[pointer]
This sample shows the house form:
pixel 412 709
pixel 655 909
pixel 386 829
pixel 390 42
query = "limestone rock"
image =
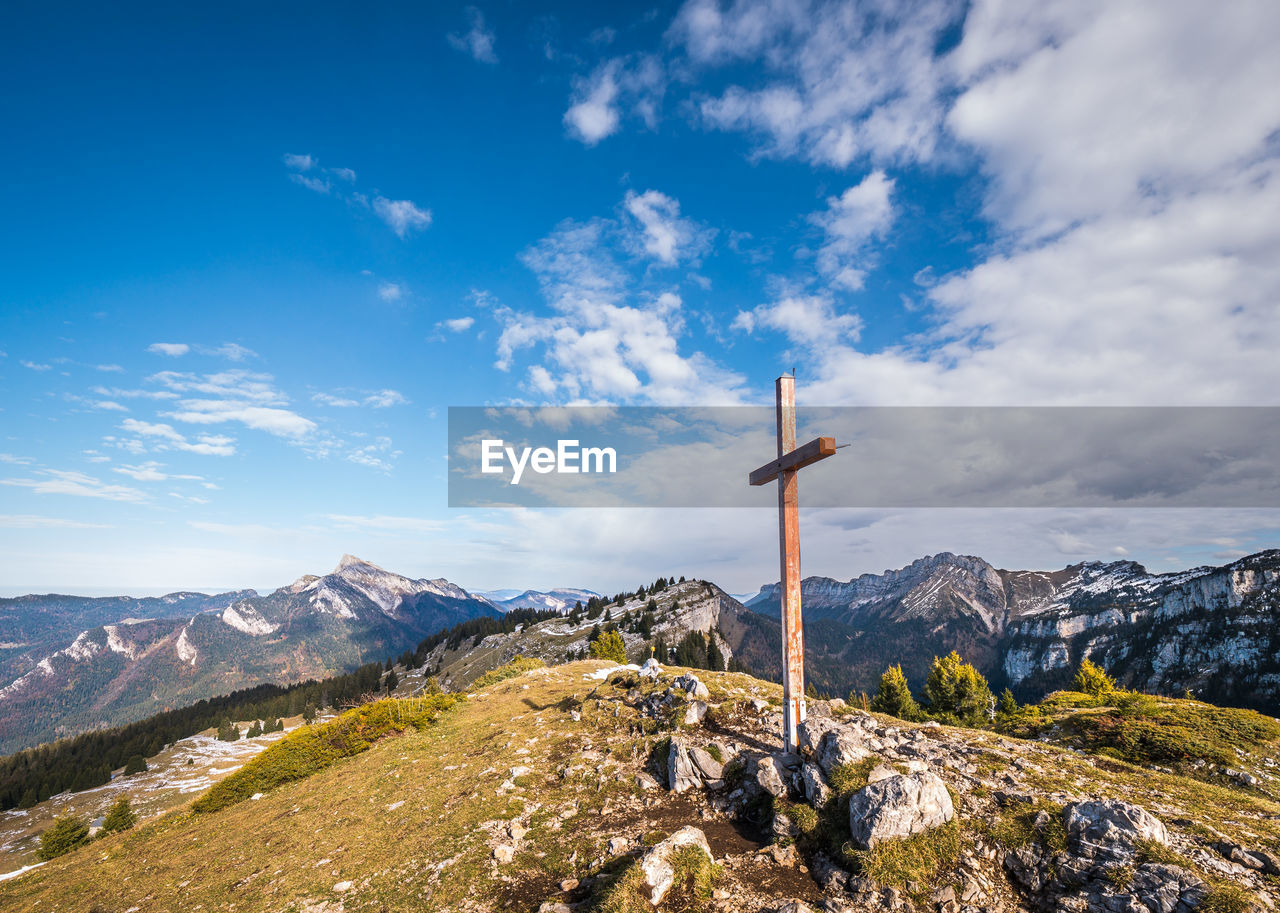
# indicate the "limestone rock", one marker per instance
pixel 897 807
pixel 650 669
pixel 695 712
pixel 681 773
pixel 816 788
pixel 1110 826
pixel 769 776
pixel 656 871
pixel 503 854
pixel 709 767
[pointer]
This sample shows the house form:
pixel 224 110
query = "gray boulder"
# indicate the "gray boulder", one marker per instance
pixel 681 773
pixel 1110 827
pixel 656 871
pixel 841 745
pixel 707 766
pixel 769 776
pixel 897 807
pixel 816 788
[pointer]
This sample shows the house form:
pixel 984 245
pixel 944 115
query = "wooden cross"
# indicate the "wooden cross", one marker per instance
pixel 791 459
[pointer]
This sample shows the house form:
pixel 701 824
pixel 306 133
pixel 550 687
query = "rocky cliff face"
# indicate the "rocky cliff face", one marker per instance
pixel 1209 630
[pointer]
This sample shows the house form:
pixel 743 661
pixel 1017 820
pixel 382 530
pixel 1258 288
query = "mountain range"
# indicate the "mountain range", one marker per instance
pixel 559 600
pixel 74 664
pixel 1213 631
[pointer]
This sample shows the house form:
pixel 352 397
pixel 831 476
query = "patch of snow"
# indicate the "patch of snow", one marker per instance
pixel 22 871
pixel 601 674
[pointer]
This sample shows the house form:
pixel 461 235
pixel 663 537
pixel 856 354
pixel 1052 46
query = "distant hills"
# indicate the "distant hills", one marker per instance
pixel 559 600
pixel 73 664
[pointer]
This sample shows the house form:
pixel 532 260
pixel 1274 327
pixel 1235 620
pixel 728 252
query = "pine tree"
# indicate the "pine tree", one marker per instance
pixel 136 765
pixel 1093 679
pixel 255 730
pixel 66 834
pixel 29 798
pixel 956 691
pixel 609 645
pixel 309 713
pixel 1008 703
pixel 392 681
pixel 120 817
pixel 228 731
pixel 894 696
pixel 715 658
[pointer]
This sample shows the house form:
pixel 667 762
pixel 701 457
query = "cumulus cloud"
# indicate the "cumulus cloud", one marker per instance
pixel 597 102
pixel 851 220
pixel 664 235
pixel 173 349
pixel 402 216
pixel 299 162
pixel 164 437
pixel 35 366
pixel 477 41
pixel 382 399
pixel 606 340
pixel 457 324
pixel 390 291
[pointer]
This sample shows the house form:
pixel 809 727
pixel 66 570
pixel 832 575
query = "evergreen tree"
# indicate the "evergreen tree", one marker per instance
pixel 1008 703
pixel 894 696
pixel 392 681
pixel 29 798
pixel 228 731
pixel 120 817
pixel 644 627
pixel 609 645
pixel 309 713
pixel 956 691
pixel 255 730
pixel 1093 679
pixel 660 649
pixel 137 764
pixel 715 658
pixel 608 616
pixel 66 834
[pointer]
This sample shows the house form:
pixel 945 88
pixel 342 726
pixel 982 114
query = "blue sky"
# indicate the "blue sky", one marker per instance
pixel 251 255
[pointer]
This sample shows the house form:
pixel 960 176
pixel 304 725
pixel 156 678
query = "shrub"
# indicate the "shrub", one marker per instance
pixel 517 666
pixel 894 696
pixel 956 690
pixel 136 765
pixel 609 645
pixel 309 749
pixel 120 817
pixel 1093 679
pixel 66 834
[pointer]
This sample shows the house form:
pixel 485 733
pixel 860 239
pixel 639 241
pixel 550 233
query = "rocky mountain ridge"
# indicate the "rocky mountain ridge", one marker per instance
pixel 1214 631
pixel 123 669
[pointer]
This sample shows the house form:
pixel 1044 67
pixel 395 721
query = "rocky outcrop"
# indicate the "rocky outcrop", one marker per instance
pixel 898 806
pixel 1109 826
pixel 657 874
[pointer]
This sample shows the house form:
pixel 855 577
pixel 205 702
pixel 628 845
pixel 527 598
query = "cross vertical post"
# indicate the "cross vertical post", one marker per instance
pixel 793 707
pixel 791 459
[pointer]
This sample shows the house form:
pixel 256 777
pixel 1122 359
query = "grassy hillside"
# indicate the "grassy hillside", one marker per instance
pixel 551 765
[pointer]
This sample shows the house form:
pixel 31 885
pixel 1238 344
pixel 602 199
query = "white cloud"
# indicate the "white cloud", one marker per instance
pixel 319 185
pixel 401 215
pixel 237 396
pixel 636 83
pixel 15 460
pixel 343 174
pixel 390 291
pixel 62 482
pixel 34 366
pixel 851 220
pixel 232 352
pixel 118 393
pixel 457 324
pixel 299 162
pixel 593 114
pixel 110 406
pixel 171 439
pixel 831 82
pixel 338 402
pixel 478 41
pixel 173 349
pixel 384 522
pixel 378 455
pixel 805 319
pixel 115 369
pixel 606 340
pixel 664 234
pixel 385 398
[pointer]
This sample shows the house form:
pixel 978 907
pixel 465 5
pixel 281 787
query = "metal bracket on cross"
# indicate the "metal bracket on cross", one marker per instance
pixel 791 459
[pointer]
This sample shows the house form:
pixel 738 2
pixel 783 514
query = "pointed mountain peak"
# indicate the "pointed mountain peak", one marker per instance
pixel 349 561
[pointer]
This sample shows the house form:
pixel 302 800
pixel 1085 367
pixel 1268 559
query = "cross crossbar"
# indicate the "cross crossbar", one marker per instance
pixel 817 449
